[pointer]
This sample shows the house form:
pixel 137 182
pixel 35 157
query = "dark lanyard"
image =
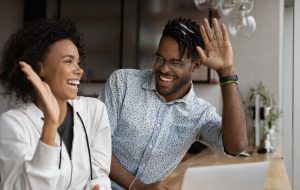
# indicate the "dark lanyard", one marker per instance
pixel 88 146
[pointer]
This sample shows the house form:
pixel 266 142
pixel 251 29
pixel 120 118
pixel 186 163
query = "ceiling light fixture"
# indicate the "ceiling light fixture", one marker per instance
pixel 237 11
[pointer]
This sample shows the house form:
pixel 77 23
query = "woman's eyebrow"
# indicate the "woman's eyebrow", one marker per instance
pixel 68 56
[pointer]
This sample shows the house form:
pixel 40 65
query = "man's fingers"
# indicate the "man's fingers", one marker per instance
pixel 224 32
pixel 204 35
pixel 217 30
pixel 208 30
pixel 201 54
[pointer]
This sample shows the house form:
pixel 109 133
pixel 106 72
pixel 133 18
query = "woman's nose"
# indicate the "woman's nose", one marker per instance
pixel 78 70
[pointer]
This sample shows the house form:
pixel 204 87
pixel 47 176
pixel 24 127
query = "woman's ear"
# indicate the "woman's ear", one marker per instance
pixel 196 65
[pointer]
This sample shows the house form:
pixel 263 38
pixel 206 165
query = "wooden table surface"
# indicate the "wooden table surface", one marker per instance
pixel 277 178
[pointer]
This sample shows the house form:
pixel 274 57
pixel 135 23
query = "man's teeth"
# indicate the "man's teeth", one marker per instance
pixel 166 79
pixel 73 82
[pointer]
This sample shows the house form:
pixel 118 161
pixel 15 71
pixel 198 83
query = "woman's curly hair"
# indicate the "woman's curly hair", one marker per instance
pixel 31 44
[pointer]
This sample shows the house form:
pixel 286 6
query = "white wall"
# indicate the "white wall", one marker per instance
pixel 287 101
pixel 296 95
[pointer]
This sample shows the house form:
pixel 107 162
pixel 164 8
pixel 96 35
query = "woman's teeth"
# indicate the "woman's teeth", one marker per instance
pixel 73 82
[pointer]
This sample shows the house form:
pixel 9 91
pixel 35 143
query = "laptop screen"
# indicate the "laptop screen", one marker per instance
pixel 242 176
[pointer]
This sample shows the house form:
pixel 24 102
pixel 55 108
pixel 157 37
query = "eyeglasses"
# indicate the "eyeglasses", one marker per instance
pixel 174 63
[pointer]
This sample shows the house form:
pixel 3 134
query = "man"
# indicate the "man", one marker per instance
pixel 155 114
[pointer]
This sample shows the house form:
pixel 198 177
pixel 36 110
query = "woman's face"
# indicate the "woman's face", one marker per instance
pixel 61 70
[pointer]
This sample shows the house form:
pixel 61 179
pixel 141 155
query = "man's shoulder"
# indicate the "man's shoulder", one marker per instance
pixel 197 102
pixel 135 73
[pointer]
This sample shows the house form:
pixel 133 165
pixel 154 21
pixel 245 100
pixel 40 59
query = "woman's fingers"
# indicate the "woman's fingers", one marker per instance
pixel 49 104
pixel 30 74
pixel 42 88
pixel 96 187
pixel 26 68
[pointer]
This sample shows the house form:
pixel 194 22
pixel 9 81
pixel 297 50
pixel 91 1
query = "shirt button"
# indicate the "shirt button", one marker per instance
pixel 150 146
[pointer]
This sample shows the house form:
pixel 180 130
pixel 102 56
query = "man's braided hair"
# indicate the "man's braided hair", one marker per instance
pixel 186 33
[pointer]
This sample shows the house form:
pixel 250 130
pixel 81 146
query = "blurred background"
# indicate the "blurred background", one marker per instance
pixel 123 34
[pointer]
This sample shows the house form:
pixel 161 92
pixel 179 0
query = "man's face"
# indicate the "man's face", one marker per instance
pixel 172 80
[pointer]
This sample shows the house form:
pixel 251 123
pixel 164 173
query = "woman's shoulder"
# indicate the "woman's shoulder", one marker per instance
pixel 16 120
pixel 88 103
pixel 19 113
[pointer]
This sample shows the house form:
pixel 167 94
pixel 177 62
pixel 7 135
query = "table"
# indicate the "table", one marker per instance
pixel 277 178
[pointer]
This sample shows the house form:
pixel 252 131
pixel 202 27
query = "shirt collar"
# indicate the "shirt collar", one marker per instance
pixel 150 84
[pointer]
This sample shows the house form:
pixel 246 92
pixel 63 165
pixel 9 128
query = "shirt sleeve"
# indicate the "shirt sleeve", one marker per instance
pixel 211 129
pixel 24 165
pixel 101 151
pixel 112 96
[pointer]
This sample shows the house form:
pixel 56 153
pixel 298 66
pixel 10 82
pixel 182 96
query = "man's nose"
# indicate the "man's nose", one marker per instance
pixel 166 66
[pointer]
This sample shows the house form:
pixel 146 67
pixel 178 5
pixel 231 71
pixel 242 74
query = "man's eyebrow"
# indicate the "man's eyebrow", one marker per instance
pixel 178 59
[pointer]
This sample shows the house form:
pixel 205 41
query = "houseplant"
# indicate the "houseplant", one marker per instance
pixel 269 115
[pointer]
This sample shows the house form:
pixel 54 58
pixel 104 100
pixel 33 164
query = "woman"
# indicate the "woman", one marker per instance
pixel 55 139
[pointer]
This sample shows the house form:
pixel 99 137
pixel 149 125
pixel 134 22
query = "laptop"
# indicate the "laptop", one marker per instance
pixel 243 176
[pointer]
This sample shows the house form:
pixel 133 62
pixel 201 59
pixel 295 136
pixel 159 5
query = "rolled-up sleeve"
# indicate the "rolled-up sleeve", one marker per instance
pixel 211 130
